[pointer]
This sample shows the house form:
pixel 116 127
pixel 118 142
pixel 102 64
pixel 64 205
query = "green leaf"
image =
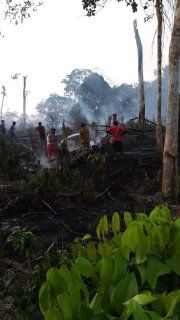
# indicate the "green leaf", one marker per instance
pixel 65 305
pixel 44 297
pixel 144 299
pixel 87 236
pixel 53 314
pixel 102 227
pixel 106 272
pixel 142 270
pixel 155 268
pixel 138 312
pixel 53 275
pixel 174 263
pixel 84 267
pixel 95 304
pixel 92 251
pixel 115 223
pixel 160 214
pixel 120 266
pixel 66 276
pixel 126 289
pixel 127 218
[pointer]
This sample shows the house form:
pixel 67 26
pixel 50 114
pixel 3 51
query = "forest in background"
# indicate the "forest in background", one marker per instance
pixel 89 97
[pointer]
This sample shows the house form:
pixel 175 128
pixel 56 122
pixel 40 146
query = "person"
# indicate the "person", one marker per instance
pixel 12 132
pixel 51 145
pixel 85 139
pixel 41 132
pixel 116 131
pixel 3 129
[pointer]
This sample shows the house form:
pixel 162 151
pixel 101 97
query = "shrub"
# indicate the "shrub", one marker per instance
pixel 124 274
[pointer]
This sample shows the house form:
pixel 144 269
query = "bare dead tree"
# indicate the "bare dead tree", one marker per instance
pixel 3 96
pixel 24 100
pixel 140 74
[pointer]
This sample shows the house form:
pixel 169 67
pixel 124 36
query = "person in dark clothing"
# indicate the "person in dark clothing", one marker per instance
pixel 3 129
pixel 41 132
pixel 12 132
pixel 116 132
pixel 85 138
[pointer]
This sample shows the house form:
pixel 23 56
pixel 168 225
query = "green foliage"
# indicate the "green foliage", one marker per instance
pixel 24 241
pixel 121 274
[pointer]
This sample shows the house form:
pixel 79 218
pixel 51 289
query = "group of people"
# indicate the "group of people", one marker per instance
pixel 11 132
pixel 50 142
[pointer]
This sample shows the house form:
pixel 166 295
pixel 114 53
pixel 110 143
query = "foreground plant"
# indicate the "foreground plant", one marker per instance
pixel 130 274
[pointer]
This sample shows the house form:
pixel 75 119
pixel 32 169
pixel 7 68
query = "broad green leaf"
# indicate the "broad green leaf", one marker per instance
pixel 144 299
pixel 160 214
pixel 117 240
pixel 54 277
pixel 84 267
pixel 127 218
pixel 141 216
pixel 102 227
pixel 142 245
pixel 171 301
pixel 127 311
pixel 65 305
pixel 174 263
pixel 155 268
pixel 92 251
pixel 53 314
pixel 87 236
pixel 115 223
pixel 106 272
pixel 44 297
pixel 75 302
pixel 95 304
pixel 142 270
pixel 126 289
pixel 65 274
pixel 120 266
pixel 105 248
pixel 138 312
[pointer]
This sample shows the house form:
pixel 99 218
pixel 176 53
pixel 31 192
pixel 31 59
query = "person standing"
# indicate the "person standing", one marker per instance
pixel 41 132
pixel 3 129
pixel 116 132
pixel 51 145
pixel 85 138
pixel 12 132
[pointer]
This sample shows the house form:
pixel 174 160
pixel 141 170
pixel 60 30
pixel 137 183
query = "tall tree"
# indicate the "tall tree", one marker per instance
pixel 170 155
pixel 140 74
pixel 3 96
pixel 24 100
pixel 159 15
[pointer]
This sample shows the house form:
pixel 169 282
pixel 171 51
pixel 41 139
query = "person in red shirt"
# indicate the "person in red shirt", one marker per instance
pixel 116 131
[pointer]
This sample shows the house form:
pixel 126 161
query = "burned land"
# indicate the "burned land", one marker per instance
pixel 60 204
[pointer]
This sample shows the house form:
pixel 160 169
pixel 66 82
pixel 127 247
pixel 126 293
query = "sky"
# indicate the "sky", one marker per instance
pixel 59 38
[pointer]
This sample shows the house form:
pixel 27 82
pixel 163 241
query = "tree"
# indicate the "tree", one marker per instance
pixel 159 15
pixel 54 109
pixel 140 74
pixel 24 100
pixel 18 11
pixel 3 96
pixel 170 155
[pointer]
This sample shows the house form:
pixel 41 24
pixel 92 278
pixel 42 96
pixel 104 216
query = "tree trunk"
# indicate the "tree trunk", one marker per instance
pixel 24 100
pixel 170 155
pixel 140 74
pixel 2 103
pixel 159 138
